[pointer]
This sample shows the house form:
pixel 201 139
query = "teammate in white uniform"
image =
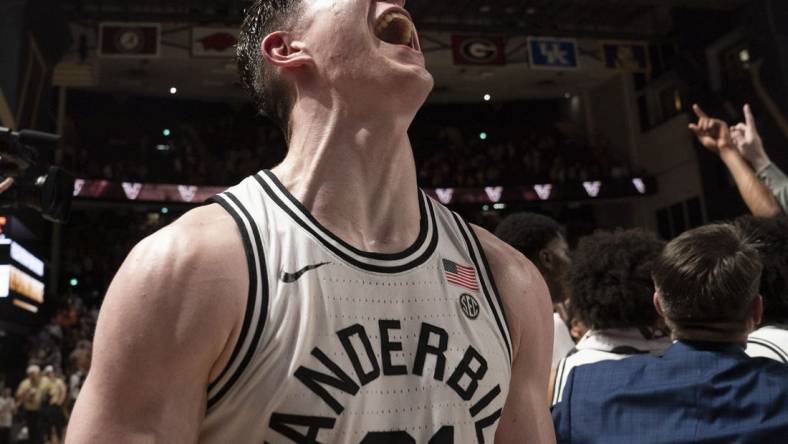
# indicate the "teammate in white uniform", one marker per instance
pixel 327 300
pixel 770 340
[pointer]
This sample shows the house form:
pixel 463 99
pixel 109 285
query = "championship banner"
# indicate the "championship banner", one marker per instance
pixel 550 53
pixel 626 56
pixel 214 42
pixel 478 50
pixel 129 39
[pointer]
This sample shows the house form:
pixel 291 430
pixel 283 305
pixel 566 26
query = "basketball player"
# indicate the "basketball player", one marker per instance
pixel 328 300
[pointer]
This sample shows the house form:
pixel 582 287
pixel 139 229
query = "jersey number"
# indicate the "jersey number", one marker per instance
pixel 443 436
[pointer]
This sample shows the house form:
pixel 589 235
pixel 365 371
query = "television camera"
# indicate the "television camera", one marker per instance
pixel 26 157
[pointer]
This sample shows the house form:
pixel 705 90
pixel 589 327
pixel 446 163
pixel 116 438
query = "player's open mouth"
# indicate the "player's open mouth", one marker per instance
pixel 395 27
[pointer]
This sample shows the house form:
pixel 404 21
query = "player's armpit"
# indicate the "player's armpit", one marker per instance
pixel 526 417
pixel 163 325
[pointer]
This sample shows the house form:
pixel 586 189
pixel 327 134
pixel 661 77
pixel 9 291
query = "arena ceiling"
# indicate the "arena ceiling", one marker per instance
pixel 578 18
pixel 436 19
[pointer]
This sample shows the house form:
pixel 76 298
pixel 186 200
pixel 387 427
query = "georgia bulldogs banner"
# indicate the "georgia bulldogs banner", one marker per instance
pixel 478 50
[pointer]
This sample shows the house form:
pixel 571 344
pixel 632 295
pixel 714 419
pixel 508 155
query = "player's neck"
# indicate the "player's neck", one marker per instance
pixel 355 174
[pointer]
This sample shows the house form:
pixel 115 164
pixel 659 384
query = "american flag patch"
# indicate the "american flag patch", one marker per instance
pixel 457 274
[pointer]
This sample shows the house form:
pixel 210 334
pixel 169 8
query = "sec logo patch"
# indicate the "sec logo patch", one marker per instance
pixel 469 306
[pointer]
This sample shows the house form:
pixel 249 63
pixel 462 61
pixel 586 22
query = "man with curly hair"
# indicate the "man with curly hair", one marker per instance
pixel 611 293
pixel 770 236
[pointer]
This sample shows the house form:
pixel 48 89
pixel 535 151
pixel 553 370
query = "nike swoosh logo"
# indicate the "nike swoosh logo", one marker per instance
pixel 289 278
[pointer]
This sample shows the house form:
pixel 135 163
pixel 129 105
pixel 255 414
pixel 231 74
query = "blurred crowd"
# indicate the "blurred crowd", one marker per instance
pixel 450 156
pixel 59 360
pixel 218 144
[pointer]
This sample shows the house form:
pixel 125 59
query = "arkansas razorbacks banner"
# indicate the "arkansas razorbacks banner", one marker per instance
pixel 214 42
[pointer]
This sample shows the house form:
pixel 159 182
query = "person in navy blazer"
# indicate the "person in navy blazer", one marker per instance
pixel 704 389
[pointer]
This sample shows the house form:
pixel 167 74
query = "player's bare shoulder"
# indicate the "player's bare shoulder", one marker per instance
pixel 193 271
pixel 202 249
pixel 521 286
pixel 166 328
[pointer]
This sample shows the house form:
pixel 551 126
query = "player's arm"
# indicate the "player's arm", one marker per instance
pixel 165 326
pixel 529 312
pixel 715 135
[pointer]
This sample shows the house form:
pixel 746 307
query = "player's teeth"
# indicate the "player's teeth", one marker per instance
pixel 388 18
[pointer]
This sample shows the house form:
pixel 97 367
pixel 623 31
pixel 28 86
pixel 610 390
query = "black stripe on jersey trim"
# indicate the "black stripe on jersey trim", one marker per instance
pixel 771 346
pixel 260 273
pixel 489 276
pixel 423 228
pixel 501 327
pixel 558 380
pixel 343 255
pixel 251 298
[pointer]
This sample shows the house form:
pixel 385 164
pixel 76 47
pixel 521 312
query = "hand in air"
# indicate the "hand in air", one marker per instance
pixel 6 184
pixel 748 142
pixel 714 134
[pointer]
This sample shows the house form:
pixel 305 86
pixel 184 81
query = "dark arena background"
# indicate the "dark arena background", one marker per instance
pixel 574 109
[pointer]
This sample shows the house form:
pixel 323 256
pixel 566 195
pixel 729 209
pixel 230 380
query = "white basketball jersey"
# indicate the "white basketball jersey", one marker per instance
pixel 610 344
pixel 770 341
pixel 340 345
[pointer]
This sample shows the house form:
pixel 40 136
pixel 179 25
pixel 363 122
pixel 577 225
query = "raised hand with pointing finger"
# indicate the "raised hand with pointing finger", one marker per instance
pixel 734 146
pixel 714 134
pixel 748 142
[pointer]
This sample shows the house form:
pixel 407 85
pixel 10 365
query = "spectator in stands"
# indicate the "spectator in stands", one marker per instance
pixel 704 388
pixel 540 239
pixel 771 238
pixel 53 409
pixel 7 410
pixel 611 293
pixel 30 395
pixel 715 135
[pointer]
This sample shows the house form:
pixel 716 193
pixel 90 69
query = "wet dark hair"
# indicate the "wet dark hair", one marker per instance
pixel 708 275
pixel 528 233
pixel 610 279
pixel 771 239
pixel 273 97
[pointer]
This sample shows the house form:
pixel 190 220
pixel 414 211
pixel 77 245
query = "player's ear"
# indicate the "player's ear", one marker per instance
pixel 757 312
pixel 658 305
pixel 280 50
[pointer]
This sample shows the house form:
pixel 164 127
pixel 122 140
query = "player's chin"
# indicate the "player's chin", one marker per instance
pixel 412 77
pixel 410 64
pixel 403 54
